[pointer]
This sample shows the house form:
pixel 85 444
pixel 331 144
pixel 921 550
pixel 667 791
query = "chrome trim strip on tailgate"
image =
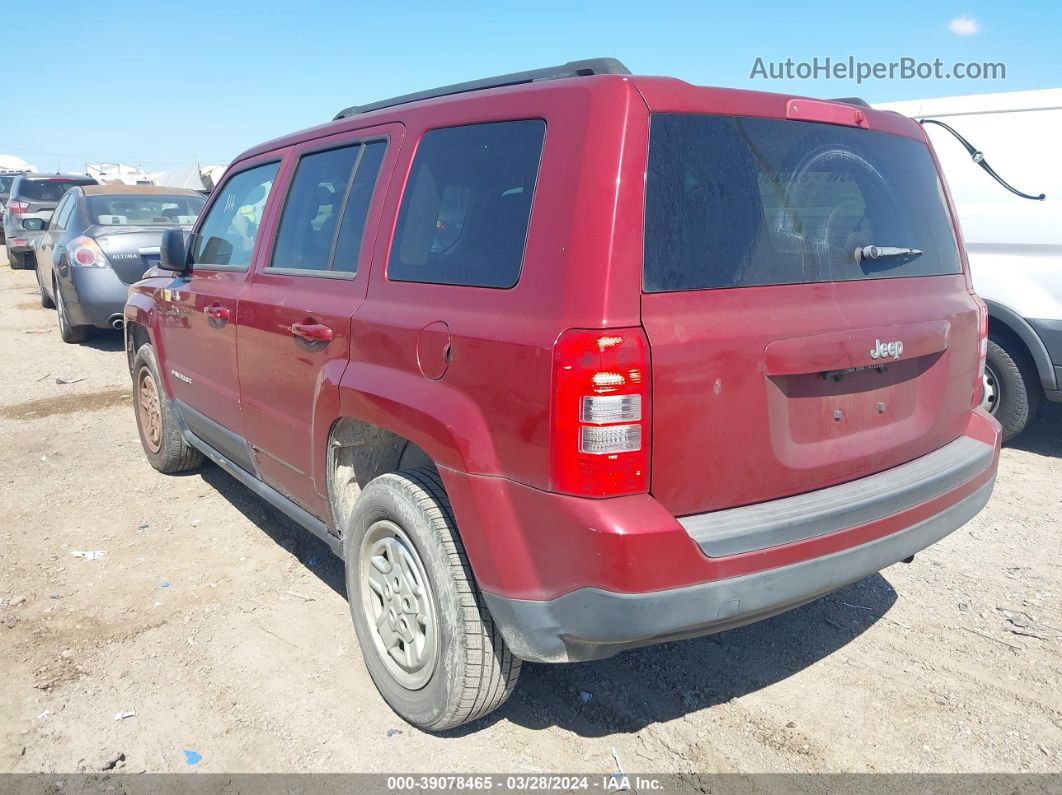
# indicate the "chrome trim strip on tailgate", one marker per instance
pixel 770 524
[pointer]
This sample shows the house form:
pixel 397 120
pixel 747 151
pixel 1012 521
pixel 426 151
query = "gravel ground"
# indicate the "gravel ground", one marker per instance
pixel 225 628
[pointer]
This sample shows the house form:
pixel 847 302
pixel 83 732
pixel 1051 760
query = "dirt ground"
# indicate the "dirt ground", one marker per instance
pixel 225 628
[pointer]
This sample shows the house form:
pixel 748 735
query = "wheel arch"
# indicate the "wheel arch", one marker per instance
pixel 1006 322
pixel 358 452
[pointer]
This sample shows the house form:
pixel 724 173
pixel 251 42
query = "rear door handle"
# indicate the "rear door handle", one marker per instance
pixel 217 312
pixel 312 332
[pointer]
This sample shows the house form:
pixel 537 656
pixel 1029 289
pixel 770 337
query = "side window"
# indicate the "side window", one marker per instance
pixel 467 205
pixel 352 227
pixel 62 213
pixel 228 232
pixel 328 186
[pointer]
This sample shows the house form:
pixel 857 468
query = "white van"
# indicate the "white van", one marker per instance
pixel 1014 244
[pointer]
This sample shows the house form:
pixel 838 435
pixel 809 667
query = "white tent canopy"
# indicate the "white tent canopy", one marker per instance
pixel 194 176
pixel 12 163
pixel 117 174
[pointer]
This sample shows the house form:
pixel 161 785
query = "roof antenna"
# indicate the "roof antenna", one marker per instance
pixel 979 158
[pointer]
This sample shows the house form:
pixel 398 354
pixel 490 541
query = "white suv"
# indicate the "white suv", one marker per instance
pixel 1014 244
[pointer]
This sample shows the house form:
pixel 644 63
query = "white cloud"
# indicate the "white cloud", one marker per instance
pixel 964 26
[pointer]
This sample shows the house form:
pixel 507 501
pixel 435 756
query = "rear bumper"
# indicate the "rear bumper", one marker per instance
pixel 93 296
pixel 591 624
pixel 570 579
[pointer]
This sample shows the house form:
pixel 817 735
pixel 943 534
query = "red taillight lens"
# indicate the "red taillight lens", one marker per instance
pixel 982 350
pixel 599 445
pixel 86 253
pixel 17 207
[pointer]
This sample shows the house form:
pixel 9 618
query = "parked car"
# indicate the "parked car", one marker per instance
pixel 6 179
pixel 33 196
pixel 694 358
pixel 1015 245
pixel 101 239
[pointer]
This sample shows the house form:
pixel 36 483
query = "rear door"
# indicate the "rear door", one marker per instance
pixel 783 361
pixel 295 318
pixel 197 312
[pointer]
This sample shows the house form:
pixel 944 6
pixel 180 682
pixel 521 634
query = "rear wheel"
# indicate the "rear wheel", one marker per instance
pixel 1011 390
pixel 68 331
pixel 15 261
pixel 46 301
pixel 160 433
pixel 429 642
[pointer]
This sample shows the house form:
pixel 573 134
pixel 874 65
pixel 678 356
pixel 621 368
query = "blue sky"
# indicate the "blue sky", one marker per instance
pixel 161 84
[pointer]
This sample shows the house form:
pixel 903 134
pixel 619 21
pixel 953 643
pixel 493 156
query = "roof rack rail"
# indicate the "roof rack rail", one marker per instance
pixel 590 66
pixel 852 101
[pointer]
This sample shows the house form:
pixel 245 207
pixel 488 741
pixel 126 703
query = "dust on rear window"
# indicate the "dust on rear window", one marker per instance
pixel 738 202
pixel 48 190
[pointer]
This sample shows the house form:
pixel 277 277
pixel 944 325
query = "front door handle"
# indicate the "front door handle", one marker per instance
pixel 218 313
pixel 312 332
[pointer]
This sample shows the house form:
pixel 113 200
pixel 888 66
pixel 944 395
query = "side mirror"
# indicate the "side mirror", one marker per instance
pixel 34 224
pixel 175 250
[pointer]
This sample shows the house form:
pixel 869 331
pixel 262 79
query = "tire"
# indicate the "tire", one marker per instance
pixel 161 438
pixel 15 261
pixel 70 333
pixel 471 671
pixel 46 300
pixel 1012 389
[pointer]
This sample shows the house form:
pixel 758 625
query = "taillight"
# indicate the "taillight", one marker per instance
pixel 599 443
pixel 17 207
pixel 982 350
pixel 85 253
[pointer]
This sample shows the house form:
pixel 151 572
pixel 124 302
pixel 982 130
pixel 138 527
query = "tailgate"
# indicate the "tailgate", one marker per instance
pixel 783 362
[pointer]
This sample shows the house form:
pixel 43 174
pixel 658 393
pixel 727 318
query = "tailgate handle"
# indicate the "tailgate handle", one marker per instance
pixel 823 353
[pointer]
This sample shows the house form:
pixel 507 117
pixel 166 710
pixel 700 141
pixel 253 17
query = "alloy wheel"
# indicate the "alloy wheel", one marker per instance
pixel 398 604
pixel 150 409
pixel 60 305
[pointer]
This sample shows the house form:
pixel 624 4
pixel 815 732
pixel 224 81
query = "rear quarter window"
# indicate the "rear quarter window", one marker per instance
pixel 467 205
pixel 736 202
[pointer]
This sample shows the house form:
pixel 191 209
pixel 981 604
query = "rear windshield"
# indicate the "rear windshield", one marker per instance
pixel 738 202
pixel 5 185
pixel 119 210
pixel 48 190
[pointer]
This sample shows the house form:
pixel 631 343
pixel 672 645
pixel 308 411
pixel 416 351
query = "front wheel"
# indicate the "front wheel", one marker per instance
pixel 160 433
pixel 1011 390
pixel 429 642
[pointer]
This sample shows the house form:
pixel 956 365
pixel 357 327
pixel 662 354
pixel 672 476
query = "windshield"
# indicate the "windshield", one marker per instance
pixel 48 190
pixel 146 210
pixel 737 202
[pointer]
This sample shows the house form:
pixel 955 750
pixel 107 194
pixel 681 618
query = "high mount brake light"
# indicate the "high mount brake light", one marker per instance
pixel 599 443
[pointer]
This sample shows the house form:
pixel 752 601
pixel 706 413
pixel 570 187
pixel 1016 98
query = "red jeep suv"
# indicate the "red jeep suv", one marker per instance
pixel 569 361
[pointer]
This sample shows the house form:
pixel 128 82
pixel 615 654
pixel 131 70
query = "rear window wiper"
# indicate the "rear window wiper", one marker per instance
pixel 978 157
pixel 886 252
